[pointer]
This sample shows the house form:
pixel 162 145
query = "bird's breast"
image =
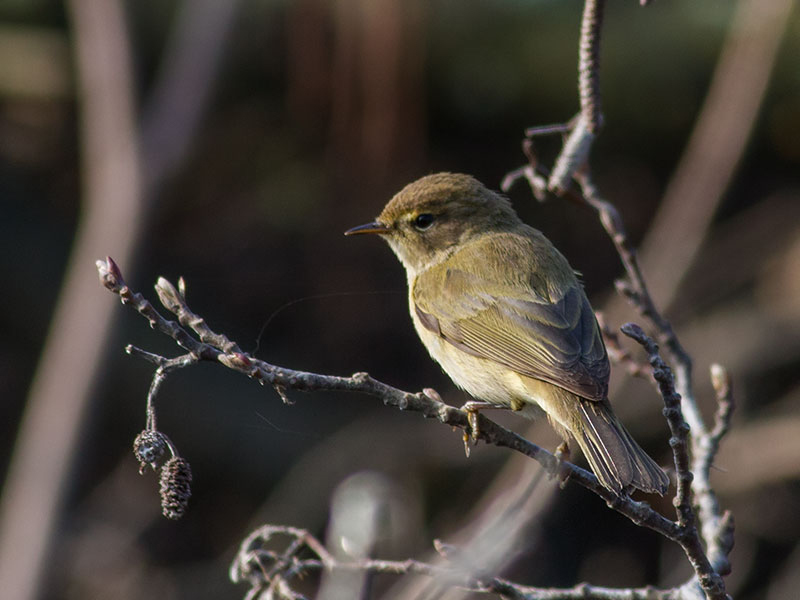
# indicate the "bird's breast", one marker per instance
pixel 482 378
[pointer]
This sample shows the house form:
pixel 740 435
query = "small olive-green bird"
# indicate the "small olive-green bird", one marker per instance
pixel 504 314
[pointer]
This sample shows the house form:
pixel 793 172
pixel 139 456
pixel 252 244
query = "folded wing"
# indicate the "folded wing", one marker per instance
pixel 547 334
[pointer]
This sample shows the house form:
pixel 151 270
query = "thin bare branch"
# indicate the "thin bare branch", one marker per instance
pixel 584 128
pixel 679 442
pixel 274 570
pixel 635 289
pixel 717 526
pixel 684 532
pixel 422 402
pixel 677 392
pixel 709 578
pixel 589 64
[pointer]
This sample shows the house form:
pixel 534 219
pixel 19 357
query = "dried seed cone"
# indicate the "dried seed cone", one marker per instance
pixel 176 477
pixel 149 448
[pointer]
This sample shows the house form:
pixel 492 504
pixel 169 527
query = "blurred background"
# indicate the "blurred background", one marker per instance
pixel 232 142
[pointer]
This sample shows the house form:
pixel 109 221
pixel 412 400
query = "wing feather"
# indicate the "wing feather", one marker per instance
pixel 547 334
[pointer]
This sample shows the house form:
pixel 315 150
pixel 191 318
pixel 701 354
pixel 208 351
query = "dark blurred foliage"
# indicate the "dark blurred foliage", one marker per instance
pixel 322 111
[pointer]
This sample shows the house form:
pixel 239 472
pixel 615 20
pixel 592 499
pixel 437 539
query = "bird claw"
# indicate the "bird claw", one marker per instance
pixel 471 437
pixel 472 419
pixel 473 408
pixel 562 455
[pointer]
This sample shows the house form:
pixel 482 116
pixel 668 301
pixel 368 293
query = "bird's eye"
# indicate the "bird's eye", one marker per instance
pixel 423 221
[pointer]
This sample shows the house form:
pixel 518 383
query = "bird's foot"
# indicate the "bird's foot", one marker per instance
pixel 473 408
pixel 562 454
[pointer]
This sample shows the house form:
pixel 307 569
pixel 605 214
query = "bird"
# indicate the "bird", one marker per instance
pixel 506 317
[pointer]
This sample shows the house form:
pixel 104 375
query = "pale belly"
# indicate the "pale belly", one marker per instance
pixel 483 379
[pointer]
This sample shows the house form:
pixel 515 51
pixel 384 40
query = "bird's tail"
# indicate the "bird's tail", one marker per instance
pixel 614 456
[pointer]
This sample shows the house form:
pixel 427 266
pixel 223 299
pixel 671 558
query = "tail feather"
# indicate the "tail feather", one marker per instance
pixel 614 456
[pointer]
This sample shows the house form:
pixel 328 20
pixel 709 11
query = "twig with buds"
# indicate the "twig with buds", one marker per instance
pixel 218 348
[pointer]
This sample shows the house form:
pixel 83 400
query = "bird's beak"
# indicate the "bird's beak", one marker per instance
pixel 374 227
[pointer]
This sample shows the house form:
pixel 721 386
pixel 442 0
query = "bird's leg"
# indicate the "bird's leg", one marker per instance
pixel 562 454
pixel 473 408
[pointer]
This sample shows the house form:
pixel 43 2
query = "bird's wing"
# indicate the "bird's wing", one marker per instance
pixel 549 334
